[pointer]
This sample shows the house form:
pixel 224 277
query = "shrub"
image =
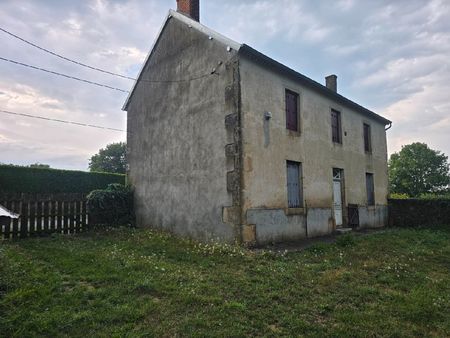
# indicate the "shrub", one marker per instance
pixel 345 240
pixel 396 196
pixel 14 179
pixel 111 206
pixel 444 196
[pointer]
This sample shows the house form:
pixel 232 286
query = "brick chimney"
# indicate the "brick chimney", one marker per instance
pixel 190 8
pixel 331 82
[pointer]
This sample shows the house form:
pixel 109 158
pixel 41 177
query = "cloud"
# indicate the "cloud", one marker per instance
pixel 98 33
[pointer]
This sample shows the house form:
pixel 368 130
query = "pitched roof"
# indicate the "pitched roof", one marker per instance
pixel 6 213
pixel 191 23
pixel 264 60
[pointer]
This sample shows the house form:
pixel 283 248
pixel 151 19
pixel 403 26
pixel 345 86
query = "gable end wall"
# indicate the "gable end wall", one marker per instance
pixel 183 146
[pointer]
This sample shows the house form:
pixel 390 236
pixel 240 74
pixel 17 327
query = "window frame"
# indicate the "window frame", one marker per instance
pixel 367 145
pixel 299 182
pixel 338 139
pixel 297 109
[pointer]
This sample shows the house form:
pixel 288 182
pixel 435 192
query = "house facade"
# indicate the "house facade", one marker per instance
pixel 226 144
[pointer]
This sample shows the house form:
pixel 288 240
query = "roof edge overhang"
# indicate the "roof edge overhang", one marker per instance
pixel 6 213
pixel 264 60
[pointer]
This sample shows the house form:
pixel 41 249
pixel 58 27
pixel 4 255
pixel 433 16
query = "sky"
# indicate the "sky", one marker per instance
pixel 392 57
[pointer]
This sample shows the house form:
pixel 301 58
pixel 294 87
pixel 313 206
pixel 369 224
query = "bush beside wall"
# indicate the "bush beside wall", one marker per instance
pixel 37 180
pixel 419 212
pixel 111 206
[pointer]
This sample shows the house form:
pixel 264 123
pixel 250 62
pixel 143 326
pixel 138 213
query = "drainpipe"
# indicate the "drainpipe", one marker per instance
pixel 306 219
pixel 390 126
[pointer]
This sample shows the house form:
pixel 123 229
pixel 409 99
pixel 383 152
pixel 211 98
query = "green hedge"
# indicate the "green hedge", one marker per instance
pixel 419 212
pixel 37 180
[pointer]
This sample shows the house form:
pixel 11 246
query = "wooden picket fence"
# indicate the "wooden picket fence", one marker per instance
pixel 43 214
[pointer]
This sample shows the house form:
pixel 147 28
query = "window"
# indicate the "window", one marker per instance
pixel 367 138
pixel 294 184
pixel 291 110
pixel 370 189
pixel 336 133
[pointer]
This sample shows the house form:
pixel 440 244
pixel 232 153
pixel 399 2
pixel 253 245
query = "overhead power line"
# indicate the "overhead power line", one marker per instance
pixel 63 75
pixel 102 70
pixel 213 72
pixel 66 58
pixel 60 121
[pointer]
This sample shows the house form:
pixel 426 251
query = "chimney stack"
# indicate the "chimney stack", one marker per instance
pixel 331 82
pixel 190 8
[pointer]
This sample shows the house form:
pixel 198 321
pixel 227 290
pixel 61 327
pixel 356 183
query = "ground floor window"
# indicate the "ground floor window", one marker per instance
pixel 370 189
pixel 294 184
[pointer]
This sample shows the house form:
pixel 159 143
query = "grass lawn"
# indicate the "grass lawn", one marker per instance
pixel 131 283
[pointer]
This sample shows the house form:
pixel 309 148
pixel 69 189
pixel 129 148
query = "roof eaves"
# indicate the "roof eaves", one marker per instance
pixel 263 59
pixel 6 213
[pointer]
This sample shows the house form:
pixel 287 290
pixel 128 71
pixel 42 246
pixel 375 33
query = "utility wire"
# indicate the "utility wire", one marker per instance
pixel 102 70
pixel 66 58
pixel 60 121
pixel 63 75
pixel 213 72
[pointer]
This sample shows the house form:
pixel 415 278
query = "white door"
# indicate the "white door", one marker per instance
pixel 338 175
pixel 337 202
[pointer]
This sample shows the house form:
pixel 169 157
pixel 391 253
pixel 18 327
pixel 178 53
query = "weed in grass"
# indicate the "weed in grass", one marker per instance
pixel 345 240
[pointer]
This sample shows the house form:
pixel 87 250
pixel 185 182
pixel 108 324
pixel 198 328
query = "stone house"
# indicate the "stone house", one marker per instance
pixel 226 144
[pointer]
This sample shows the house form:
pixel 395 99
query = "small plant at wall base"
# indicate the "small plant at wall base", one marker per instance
pixel 397 196
pixel 417 170
pixel 112 206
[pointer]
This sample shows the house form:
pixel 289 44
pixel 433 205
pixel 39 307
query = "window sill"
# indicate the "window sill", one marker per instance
pixel 293 133
pixel 295 211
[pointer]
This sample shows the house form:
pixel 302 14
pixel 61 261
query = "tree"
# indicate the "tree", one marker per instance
pixel 111 159
pixel 39 165
pixel 417 170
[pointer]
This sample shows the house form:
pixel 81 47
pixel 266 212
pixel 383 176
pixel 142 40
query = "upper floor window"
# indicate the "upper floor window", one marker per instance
pixel 294 184
pixel 336 131
pixel 292 110
pixel 367 138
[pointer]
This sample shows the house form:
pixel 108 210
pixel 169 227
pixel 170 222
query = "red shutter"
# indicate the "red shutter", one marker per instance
pixel 291 110
pixel 367 138
pixel 335 126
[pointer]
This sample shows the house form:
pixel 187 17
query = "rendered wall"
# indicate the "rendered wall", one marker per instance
pixel 267 145
pixel 178 138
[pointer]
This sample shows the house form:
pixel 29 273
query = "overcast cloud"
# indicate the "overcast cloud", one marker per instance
pixel 390 56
